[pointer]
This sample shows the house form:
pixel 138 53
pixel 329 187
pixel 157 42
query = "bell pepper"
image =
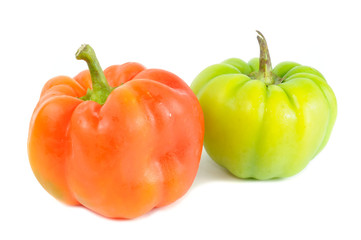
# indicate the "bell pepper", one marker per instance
pixel 119 142
pixel 263 122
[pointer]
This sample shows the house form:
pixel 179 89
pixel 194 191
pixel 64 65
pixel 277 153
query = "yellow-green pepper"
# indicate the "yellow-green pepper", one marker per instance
pixel 261 122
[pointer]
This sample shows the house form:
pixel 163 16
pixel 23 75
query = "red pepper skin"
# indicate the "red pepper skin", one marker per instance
pixel 139 150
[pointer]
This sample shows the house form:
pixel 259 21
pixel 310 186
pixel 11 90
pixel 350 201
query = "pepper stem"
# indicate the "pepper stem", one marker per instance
pixel 100 87
pixel 265 66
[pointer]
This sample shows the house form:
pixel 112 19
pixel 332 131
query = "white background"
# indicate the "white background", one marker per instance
pixel 39 39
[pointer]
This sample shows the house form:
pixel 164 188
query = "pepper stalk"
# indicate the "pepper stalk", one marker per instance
pixel 265 66
pixel 100 86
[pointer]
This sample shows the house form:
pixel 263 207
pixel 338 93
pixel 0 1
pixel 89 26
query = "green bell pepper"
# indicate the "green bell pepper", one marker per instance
pixel 263 122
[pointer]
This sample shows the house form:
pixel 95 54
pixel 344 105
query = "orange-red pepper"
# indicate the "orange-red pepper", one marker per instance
pixel 119 142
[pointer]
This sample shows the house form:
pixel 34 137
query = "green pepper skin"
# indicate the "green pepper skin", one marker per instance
pixel 263 131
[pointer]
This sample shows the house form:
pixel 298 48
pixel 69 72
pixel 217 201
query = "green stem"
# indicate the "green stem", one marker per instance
pixel 100 87
pixel 265 66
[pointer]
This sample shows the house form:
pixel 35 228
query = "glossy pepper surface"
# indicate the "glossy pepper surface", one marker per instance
pixel 263 122
pixel 119 142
